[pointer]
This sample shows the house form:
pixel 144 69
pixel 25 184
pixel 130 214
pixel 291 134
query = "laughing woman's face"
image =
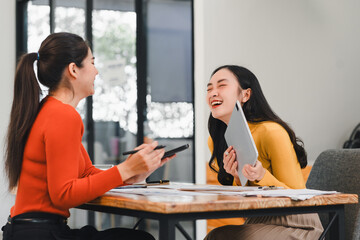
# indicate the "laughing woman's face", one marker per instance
pixel 223 90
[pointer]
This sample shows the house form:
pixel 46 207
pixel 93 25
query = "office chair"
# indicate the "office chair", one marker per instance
pixel 339 170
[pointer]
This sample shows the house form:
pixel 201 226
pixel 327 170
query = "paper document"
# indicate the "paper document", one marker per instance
pixel 157 192
pixel 294 194
pixel 185 192
pixel 211 188
pixel 161 195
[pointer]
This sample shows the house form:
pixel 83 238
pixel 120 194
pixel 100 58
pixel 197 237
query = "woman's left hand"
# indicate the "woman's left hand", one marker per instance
pixel 254 173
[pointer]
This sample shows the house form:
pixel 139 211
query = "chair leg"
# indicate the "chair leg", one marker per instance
pixel 182 230
pixel 326 230
pixel 137 223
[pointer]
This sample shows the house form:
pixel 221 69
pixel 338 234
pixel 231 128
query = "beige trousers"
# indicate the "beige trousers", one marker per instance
pixel 290 227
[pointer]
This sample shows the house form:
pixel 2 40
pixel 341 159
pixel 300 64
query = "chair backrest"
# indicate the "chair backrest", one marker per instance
pixel 339 170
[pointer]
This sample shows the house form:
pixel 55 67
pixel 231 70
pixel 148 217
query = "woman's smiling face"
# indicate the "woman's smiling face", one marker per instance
pixel 223 90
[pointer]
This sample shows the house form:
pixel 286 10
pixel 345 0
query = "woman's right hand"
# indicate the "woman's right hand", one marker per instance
pixel 230 163
pixel 144 161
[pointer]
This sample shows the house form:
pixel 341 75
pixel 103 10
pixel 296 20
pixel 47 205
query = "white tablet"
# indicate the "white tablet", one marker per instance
pixel 239 136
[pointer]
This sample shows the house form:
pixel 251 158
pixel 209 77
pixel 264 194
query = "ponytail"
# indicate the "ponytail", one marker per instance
pixel 23 113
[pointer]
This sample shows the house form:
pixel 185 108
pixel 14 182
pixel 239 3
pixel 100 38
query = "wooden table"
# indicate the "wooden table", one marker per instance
pixel 170 211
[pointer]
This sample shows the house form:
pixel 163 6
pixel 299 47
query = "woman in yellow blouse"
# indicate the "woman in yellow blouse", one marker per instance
pixel 281 155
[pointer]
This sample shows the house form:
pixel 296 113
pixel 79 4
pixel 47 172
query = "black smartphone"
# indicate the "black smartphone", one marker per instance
pixel 175 150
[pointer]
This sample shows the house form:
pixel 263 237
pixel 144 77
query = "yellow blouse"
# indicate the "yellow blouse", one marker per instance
pixel 277 155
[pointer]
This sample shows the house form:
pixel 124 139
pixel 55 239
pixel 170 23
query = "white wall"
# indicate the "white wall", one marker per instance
pixel 306 55
pixel 7 69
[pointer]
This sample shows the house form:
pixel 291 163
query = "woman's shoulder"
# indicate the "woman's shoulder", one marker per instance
pixel 268 128
pixel 58 111
pixel 270 135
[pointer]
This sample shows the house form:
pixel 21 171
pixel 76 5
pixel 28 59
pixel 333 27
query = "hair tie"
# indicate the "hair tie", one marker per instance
pixel 38 56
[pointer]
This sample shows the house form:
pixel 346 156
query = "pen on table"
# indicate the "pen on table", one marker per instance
pixel 135 151
pixel 131 186
pixel 267 187
pixel 159 182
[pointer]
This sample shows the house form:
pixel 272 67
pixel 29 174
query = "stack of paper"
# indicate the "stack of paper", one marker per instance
pixel 294 194
pixel 188 191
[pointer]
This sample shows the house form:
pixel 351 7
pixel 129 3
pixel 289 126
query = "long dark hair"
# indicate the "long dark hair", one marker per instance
pixel 256 109
pixel 56 52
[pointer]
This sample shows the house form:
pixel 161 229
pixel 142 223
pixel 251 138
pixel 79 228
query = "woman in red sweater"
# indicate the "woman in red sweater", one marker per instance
pixel 45 158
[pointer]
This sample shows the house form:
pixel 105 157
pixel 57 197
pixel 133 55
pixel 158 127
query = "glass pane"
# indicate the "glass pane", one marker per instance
pixel 38 24
pixel 170 117
pixel 38 30
pixel 70 18
pixel 114 107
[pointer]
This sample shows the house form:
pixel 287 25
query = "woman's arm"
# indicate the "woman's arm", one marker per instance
pixel 66 163
pixel 284 170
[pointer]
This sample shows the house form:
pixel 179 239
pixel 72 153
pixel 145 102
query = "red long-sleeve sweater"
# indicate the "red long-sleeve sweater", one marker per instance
pixel 57 173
